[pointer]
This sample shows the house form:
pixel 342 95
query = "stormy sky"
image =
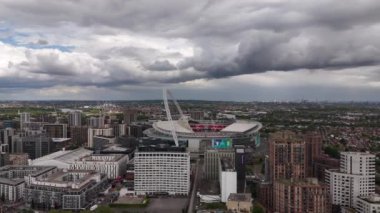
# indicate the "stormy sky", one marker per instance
pixel 212 50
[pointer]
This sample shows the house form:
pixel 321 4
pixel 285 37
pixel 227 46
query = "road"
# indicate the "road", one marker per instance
pixel 194 189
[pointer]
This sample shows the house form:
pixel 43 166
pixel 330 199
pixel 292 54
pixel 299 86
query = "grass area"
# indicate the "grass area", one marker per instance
pixel 214 206
pixel 144 204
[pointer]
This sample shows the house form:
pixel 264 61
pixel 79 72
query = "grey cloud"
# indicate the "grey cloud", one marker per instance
pixel 42 42
pixel 161 65
pixel 229 38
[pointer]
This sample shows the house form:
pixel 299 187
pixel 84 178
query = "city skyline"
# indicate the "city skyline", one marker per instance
pixel 208 50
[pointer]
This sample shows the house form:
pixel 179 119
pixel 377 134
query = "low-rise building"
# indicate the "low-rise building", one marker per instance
pixel 18 159
pixel 113 165
pixel 12 179
pixel 65 189
pixel 239 202
pixel 369 204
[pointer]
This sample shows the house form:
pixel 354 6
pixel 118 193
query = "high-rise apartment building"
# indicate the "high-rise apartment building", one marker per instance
pixel 6 138
pixel 162 170
pixel 96 122
pixel 287 156
pixel 75 118
pixel 197 115
pixel 97 132
pixel 130 116
pixel 313 142
pixel 78 135
pixel 355 178
pixel 55 130
pixel 24 118
pixel 300 196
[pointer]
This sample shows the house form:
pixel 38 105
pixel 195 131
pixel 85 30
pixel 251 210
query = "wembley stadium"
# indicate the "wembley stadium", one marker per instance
pixel 220 132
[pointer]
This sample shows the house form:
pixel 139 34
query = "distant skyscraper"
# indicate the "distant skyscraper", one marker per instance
pixel 197 115
pixel 75 118
pixel 130 116
pixel 6 137
pixel 79 135
pixel 96 122
pixel 356 177
pixel 97 132
pixel 24 118
pixel 55 130
pixel 287 156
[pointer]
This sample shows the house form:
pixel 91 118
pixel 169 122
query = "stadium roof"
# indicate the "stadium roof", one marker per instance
pixel 240 127
pixel 179 127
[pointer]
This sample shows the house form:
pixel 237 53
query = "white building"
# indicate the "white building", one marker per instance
pixel 113 165
pixel 356 177
pixel 162 170
pixel 368 204
pixel 97 132
pixel 227 178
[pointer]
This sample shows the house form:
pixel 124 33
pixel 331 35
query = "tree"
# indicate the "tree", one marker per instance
pixel 257 208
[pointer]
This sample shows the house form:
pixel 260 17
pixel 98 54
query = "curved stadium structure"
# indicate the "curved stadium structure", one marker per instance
pixel 219 133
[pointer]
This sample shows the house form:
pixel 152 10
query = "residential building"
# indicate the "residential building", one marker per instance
pixel 97 132
pixel 79 135
pixel 64 189
pixel 197 115
pixel 287 156
pixel 313 150
pixel 368 204
pixel 162 170
pixel 300 196
pixel 130 116
pixel 75 119
pixel 355 178
pixel 12 179
pixel 55 130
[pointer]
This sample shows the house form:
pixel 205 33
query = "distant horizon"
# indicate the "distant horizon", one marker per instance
pixel 188 100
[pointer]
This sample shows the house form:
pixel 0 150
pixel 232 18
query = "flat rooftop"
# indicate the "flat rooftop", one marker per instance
pixel 374 198
pixel 102 157
pixel 158 148
pixel 240 197
pixel 68 179
pixel 227 164
pixel 14 175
